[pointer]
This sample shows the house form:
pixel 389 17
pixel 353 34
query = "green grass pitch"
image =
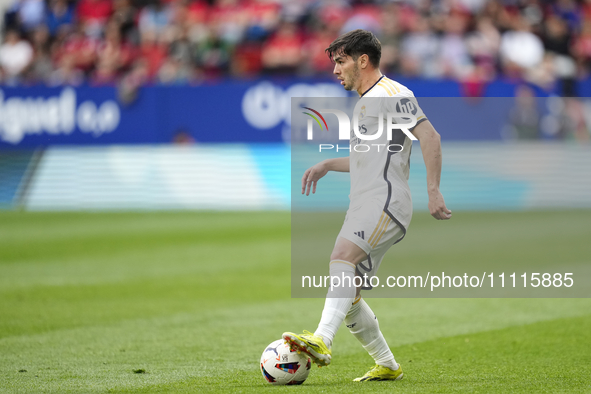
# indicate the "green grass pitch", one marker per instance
pixel 185 302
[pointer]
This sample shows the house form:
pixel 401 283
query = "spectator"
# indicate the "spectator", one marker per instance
pixel 263 18
pixel 179 40
pixel 586 10
pixel 132 81
pixel 420 50
pixel 521 50
pixel 183 137
pixel 66 73
pixel 155 18
pixel 124 14
pixel 181 48
pixel 568 10
pixel 391 38
pixel 524 116
pixel 113 56
pixel 213 56
pixel 59 15
pixel 315 45
pixel 556 36
pixel 365 17
pixel 283 52
pixel 582 48
pixel 471 6
pixel 332 14
pixel 5 15
pixel 30 13
pixel 557 41
pixel 197 12
pixel 177 68
pixel 247 59
pixel 153 52
pixel 77 51
pixel 42 65
pixel 93 15
pixel 453 56
pixel 483 45
pixel 533 13
pixel 16 55
pixel 229 20
pixel 173 71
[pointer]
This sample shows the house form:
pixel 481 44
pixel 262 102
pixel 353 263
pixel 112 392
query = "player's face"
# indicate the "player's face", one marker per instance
pixel 347 70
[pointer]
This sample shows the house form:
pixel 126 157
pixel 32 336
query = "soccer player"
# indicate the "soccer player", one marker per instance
pixel 380 205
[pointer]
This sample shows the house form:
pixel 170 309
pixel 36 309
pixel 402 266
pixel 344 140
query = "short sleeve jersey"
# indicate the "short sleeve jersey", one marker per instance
pixel 379 168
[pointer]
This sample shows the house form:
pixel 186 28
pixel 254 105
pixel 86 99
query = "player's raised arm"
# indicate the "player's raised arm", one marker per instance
pixel 431 147
pixel 314 173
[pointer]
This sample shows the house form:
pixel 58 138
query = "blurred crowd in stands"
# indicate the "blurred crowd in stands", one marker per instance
pixel 106 42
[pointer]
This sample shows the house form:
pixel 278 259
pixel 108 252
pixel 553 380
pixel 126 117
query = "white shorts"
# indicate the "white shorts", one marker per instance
pixel 374 230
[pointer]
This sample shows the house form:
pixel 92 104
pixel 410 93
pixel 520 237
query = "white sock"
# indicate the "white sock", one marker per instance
pixel 338 300
pixel 364 326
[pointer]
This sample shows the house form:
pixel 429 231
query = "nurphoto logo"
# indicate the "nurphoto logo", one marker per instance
pixel 402 119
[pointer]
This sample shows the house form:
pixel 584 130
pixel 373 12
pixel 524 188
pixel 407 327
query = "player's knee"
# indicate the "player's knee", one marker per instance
pixel 347 251
pixel 340 254
pixel 346 255
pixel 337 255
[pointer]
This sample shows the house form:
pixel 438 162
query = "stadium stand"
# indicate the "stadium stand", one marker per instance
pixel 102 42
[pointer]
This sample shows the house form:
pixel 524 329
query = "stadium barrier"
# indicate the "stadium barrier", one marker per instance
pixel 234 112
pixel 68 148
pixel 476 176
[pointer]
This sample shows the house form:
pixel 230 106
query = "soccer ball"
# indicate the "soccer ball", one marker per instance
pixel 280 365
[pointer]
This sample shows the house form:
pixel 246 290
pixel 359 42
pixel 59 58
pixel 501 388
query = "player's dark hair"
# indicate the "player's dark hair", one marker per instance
pixel 356 43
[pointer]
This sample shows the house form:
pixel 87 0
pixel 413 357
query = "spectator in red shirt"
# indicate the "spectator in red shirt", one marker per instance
pixel 230 20
pixel 315 45
pixel 283 52
pixel 246 61
pixel 78 50
pixel 263 18
pixel 582 48
pixel 113 56
pixel 197 11
pixel 153 51
pixel 93 15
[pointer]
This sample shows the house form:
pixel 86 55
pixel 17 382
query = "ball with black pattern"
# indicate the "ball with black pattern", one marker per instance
pixel 281 366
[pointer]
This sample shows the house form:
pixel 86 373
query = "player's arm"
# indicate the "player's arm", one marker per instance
pixel 314 173
pixel 431 147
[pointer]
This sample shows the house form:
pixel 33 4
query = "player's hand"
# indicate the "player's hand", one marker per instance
pixel 311 177
pixel 437 206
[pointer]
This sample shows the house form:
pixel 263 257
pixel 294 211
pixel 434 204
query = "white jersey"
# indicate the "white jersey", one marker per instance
pixel 379 176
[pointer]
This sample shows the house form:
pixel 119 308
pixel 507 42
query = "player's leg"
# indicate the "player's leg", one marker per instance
pixel 343 261
pixel 364 325
pixel 344 258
